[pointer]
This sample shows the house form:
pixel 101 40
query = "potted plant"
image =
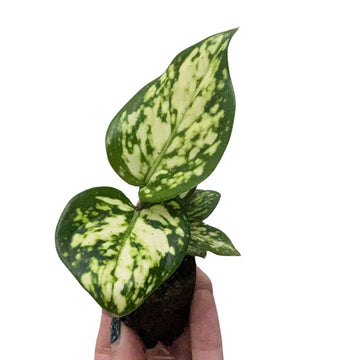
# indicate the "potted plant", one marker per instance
pixel 137 259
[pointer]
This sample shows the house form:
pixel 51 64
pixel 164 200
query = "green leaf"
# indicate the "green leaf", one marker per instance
pixel 186 196
pixel 195 250
pixel 202 204
pixel 119 254
pixel 171 135
pixel 207 238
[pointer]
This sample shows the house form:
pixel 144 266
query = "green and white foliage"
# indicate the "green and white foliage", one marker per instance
pixel 118 253
pixel 166 140
pixel 200 204
pixel 207 238
pixel 171 135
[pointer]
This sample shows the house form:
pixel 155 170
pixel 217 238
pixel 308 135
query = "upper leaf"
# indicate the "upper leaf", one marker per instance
pixel 170 136
pixel 120 255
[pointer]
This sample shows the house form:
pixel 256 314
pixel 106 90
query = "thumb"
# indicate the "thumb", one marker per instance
pixel 128 346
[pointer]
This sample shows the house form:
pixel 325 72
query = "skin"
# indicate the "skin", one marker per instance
pixel 200 341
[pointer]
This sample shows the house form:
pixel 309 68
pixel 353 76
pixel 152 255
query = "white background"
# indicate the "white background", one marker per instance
pixel 289 179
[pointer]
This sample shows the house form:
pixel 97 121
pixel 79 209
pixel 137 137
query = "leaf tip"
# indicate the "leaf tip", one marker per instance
pixel 232 31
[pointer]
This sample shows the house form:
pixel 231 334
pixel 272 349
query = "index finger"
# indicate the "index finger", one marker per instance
pixel 206 340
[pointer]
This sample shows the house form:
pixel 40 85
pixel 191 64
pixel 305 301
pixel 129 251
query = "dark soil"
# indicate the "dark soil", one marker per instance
pixel 165 313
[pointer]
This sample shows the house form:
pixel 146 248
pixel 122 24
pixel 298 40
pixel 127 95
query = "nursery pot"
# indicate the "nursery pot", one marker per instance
pixel 165 314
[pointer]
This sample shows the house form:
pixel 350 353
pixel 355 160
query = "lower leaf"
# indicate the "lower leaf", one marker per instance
pixel 120 255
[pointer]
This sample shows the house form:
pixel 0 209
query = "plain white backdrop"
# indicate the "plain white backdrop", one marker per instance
pixel 289 179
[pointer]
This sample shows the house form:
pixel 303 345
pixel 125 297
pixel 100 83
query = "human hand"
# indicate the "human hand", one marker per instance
pixel 200 341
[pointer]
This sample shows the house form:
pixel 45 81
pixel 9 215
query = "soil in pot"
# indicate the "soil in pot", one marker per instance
pixel 165 314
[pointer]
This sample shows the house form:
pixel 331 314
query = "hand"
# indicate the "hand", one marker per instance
pixel 200 341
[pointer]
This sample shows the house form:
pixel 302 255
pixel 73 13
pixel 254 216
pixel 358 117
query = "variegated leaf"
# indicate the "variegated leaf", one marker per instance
pixel 207 238
pixel 119 254
pixel 202 204
pixel 170 136
pixel 185 197
pixel 195 250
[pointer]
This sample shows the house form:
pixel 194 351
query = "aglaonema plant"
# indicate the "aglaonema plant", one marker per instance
pixel 166 140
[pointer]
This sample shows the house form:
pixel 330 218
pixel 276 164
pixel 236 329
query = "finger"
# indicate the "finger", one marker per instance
pixel 102 348
pixel 202 281
pixel 129 346
pixel 206 341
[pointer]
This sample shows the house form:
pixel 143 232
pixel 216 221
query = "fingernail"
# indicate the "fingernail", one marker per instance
pixel 115 329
